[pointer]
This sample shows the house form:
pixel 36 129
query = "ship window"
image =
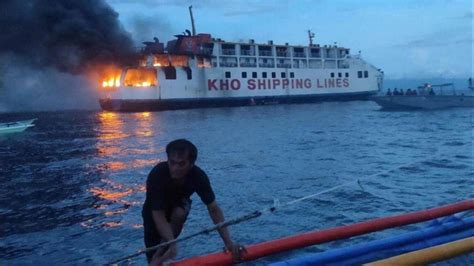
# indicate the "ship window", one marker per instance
pixel 227 75
pixel 140 77
pixel 283 75
pixel 359 74
pixel 366 74
pixel 292 74
pixel 347 75
pixel 170 72
pixel 244 75
pixel 254 75
pixel 264 75
pixel 332 74
pixel 339 75
pixel 189 72
pixel 179 60
pixel 274 75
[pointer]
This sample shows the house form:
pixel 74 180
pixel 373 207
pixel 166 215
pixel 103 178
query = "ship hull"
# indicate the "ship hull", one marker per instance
pixel 142 105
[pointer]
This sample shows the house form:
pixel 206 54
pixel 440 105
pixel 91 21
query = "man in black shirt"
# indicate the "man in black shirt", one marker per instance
pixel 168 190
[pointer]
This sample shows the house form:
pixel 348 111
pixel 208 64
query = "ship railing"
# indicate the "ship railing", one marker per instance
pixel 266 65
pixel 228 64
pixel 206 51
pixel 282 54
pixel 343 65
pixel 228 51
pixel 299 54
pixel 247 52
pixel 265 53
pixel 312 55
pixel 248 64
pixel 300 66
pixel 284 65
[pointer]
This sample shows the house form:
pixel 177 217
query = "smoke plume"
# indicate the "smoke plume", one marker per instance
pixel 57 37
pixel 68 35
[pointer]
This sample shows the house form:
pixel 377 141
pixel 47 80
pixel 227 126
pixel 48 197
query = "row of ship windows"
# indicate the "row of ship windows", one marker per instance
pixel 228 74
pixel 170 73
pixel 296 64
pixel 264 74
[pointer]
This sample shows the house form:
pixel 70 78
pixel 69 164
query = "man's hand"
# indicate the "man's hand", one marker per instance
pixel 237 251
pixel 169 254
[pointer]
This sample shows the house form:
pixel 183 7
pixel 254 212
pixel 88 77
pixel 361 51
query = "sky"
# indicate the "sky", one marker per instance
pixel 405 38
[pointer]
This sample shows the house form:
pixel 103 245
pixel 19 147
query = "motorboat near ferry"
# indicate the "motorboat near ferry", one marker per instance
pixel 197 70
pixel 428 97
pixel 15 127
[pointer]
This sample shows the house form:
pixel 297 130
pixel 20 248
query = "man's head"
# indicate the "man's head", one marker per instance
pixel 181 157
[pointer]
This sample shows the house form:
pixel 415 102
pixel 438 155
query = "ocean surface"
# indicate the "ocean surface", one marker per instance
pixel 72 187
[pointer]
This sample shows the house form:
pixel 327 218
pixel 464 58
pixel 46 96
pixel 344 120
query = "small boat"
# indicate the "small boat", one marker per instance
pixel 14 127
pixel 428 97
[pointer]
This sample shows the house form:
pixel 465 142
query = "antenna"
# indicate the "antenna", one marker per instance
pixel 192 20
pixel 310 36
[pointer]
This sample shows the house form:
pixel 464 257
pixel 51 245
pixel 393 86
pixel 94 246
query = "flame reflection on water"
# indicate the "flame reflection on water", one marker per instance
pixel 124 143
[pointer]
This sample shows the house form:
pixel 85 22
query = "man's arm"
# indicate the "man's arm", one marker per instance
pixel 162 225
pixel 166 233
pixel 217 217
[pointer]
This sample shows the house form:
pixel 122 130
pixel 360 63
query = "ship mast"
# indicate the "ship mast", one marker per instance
pixel 310 36
pixel 192 20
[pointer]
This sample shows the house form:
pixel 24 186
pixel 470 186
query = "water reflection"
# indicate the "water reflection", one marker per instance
pixel 145 125
pixel 111 126
pixel 125 143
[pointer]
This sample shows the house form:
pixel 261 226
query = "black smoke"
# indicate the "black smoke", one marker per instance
pixel 52 51
pixel 69 35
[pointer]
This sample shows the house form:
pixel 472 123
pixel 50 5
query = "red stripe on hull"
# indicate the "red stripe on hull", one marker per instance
pixel 316 237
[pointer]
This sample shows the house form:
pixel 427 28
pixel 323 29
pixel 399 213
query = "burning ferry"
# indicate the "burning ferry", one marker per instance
pixel 197 70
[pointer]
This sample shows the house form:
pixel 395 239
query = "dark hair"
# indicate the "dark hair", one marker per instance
pixel 181 146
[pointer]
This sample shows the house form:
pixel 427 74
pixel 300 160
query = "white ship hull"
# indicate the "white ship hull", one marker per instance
pixel 216 79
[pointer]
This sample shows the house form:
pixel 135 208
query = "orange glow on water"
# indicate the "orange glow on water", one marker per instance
pixel 112 224
pixel 115 196
pixel 115 166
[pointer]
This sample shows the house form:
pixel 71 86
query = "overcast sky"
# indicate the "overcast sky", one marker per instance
pixel 406 38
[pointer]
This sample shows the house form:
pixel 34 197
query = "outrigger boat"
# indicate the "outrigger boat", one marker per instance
pixel 448 234
pixel 14 127
pixel 428 97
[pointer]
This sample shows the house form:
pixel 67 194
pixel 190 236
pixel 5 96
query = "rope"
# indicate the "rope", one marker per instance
pixel 255 214
pixel 217 226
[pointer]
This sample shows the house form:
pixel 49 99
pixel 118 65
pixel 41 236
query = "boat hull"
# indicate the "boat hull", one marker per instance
pixel 15 127
pixel 142 105
pixel 423 102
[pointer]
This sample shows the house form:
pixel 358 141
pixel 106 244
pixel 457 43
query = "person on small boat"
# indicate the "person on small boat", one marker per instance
pixel 409 92
pixel 389 92
pixel 431 92
pixel 395 92
pixel 169 187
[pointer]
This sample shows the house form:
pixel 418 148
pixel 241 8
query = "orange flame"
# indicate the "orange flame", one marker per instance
pixel 110 76
pixel 140 77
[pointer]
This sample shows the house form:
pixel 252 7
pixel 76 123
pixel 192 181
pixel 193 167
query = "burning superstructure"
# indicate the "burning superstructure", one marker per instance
pixel 197 70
